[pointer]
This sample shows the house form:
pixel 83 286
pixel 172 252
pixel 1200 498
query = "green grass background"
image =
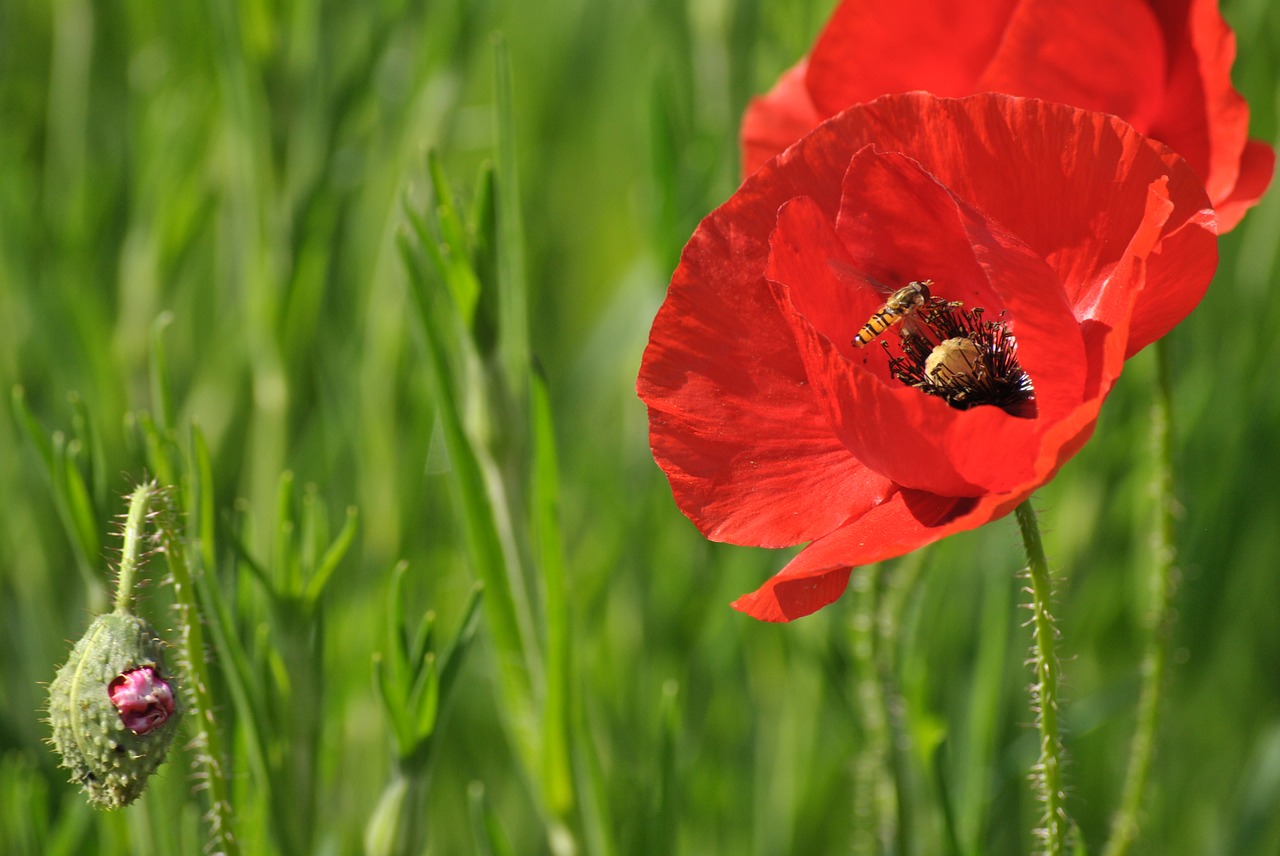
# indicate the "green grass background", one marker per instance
pixel 247 168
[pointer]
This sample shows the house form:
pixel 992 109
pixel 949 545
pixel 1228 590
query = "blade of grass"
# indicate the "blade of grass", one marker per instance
pixel 983 725
pixel 486 832
pixel 480 495
pixel 513 310
pixel 556 714
pixel 332 556
pixel 90 441
pixel 161 399
pixel 461 277
pixel 82 532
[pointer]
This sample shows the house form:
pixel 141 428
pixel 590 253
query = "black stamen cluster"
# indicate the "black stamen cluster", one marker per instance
pixel 993 376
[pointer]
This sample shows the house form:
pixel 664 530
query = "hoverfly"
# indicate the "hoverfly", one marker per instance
pixel 899 305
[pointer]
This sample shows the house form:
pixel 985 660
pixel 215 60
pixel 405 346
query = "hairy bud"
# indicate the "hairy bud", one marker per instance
pixel 114 709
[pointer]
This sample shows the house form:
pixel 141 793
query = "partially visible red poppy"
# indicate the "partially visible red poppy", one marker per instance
pixel 1164 66
pixel 1080 238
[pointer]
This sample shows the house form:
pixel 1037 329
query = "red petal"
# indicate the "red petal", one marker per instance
pixel 819 574
pixel 1163 66
pixel 733 422
pixel 1204 119
pixel 909 519
pixel 1148 320
pixel 776 120
pixel 873 47
pixel 895 215
pixel 1256 168
pixel 1058 51
pixel 906 521
pixel 1070 184
pixel 914 439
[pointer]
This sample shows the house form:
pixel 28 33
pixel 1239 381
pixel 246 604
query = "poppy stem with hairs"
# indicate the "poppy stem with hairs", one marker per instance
pixel 139 503
pixel 1047 773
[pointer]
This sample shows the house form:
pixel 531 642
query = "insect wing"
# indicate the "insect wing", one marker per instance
pixel 851 274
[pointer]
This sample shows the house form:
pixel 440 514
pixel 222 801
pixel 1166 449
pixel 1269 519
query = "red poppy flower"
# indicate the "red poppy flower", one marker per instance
pixel 775 430
pixel 1164 66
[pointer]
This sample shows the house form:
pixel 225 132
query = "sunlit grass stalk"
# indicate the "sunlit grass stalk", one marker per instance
pixel 1047 774
pixel 1162 580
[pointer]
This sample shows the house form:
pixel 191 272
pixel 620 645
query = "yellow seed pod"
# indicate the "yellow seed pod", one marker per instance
pixel 954 362
pixel 114 709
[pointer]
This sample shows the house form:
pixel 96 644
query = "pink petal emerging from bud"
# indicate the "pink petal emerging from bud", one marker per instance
pixel 144 700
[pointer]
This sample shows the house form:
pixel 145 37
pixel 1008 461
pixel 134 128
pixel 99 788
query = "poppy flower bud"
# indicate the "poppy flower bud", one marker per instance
pixel 113 711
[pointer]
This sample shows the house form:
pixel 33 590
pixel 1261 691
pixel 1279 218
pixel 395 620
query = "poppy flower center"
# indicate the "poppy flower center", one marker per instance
pixel 958 355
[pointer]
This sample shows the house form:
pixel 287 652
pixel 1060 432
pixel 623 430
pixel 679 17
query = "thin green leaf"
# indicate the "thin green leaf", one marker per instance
pixel 69 500
pixel 451 659
pixel 80 509
pixel 331 558
pixel 513 311
pixel 557 772
pixel 248 694
pixel 50 450
pixel 665 818
pixel 32 428
pixel 483 229
pixel 424 699
pixel 242 553
pixel 485 829
pixel 397 643
pixel 288 574
pixel 161 400
pixel 454 246
pixel 199 504
pixel 423 640
pixel 394 704
pixel 90 439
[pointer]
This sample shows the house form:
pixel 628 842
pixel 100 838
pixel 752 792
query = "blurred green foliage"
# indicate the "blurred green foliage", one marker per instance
pixel 225 215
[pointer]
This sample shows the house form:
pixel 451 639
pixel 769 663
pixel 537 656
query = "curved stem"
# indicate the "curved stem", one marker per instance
pixel 1047 773
pixel 139 503
pixel 1124 825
